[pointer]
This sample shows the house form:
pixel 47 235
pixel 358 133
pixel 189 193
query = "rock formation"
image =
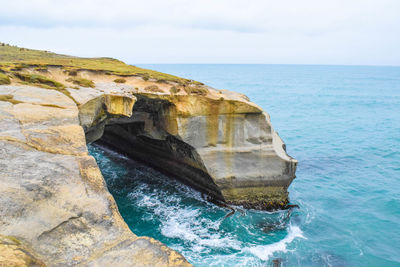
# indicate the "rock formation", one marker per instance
pixel 53 199
pixel 52 194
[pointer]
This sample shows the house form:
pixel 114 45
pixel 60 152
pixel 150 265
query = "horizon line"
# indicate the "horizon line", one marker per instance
pixel 293 64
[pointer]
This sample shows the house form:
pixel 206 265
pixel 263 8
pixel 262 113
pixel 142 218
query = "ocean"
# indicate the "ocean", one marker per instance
pixel 342 123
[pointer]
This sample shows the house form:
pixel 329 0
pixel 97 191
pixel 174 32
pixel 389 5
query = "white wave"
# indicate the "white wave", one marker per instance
pixel 265 251
pixel 184 223
pixel 200 233
pixel 182 230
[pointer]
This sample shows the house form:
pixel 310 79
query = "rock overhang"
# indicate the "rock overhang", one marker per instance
pixel 54 199
pixel 214 140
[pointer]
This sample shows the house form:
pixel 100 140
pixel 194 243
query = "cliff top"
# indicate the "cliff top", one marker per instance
pixel 81 78
pixel 13 58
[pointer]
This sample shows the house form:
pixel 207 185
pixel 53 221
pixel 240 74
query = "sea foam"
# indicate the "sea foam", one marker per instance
pixel 264 252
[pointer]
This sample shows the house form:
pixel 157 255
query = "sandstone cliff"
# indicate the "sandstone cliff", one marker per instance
pixel 53 197
pixel 52 194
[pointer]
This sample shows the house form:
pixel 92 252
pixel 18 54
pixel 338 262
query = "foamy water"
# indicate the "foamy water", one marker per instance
pixel 154 205
pixel 264 252
pixel 341 123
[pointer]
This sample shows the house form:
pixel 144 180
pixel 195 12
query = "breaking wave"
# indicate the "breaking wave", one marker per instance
pixel 264 252
pixel 156 206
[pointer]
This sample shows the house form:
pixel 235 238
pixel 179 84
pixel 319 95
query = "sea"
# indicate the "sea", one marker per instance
pixel 342 123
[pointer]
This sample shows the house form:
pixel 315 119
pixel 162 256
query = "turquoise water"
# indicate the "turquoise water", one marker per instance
pixel 341 123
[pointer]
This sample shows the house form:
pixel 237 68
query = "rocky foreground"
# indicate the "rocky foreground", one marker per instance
pixel 55 208
pixel 54 205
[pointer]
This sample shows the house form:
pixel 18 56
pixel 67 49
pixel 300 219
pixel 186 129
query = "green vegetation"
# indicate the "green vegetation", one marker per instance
pixel 19 63
pixel 174 90
pixel 195 90
pixel 153 88
pixel 81 82
pixel 146 76
pixel 41 69
pixel 120 80
pixel 72 72
pixel 9 98
pixel 196 82
pixel 12 58
pixel 4 79
pixel 40 80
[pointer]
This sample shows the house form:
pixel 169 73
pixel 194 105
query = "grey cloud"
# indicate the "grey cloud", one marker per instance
pixel 230 31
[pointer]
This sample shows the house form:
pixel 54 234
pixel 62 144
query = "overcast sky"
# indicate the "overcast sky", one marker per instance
pixel 357 32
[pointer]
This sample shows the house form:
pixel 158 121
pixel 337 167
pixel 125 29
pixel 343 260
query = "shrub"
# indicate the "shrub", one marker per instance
pixel 72 73
pixel 153 88
pixel 146 77
pixel 174 90
pixel 195 90
pixel 120 80
pixel 4 79
pixel 81 82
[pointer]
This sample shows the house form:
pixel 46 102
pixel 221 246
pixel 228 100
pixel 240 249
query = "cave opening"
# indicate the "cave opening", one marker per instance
pixel 146 137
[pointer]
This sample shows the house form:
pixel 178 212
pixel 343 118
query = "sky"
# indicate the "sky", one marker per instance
pixel 344 32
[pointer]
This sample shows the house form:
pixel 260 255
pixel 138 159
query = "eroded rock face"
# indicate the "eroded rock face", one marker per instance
pixel 53 197
pixel 219 143
pixel 225 148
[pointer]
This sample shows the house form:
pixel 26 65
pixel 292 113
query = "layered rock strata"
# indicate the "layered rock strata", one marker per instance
pixel 218 142
pixel 53 198
pixel 55 208
pixel 224 148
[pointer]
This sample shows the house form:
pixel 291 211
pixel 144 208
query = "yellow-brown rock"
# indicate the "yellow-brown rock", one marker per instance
pixel 15 254
pixel 53 196
pixel 119 105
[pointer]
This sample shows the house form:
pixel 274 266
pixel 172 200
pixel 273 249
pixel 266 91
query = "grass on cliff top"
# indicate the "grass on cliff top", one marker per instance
pixel 81 82
pixel 4 79
pixel 44 82
pixel 38 79
pixel 13 58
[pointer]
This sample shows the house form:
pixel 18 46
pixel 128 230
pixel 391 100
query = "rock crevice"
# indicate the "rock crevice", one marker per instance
pixel 53 197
